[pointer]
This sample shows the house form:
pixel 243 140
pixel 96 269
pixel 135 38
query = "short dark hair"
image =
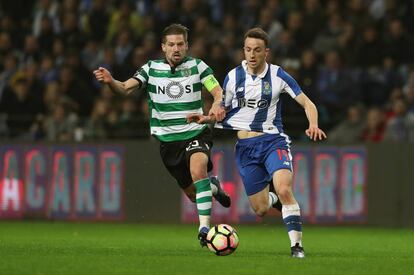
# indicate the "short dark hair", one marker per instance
pixel 175 29
pixel 258 33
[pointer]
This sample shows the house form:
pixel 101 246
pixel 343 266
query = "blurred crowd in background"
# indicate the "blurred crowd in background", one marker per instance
pixel 354 59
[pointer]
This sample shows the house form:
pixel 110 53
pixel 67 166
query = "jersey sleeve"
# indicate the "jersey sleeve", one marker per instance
pixel 290 85
pixel 204 70
pixel 142 73
pixel 228 93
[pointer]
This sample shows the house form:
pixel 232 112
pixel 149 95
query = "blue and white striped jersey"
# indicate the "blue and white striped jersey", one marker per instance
pixel 252 102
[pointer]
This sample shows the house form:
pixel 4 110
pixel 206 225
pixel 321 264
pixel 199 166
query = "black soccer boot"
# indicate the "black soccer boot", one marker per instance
pixel 222 197
pixel 297 251
pixel 202 236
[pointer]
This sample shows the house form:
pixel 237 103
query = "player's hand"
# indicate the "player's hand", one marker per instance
pixel 217 110
pixel 199 118
pixel 315 134
pixel 103 75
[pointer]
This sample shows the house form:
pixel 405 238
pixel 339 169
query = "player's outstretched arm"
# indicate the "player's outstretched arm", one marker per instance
pixel 217 109
pixel 213 86
pixel 313 131
pixel 118 87
pixel 201 119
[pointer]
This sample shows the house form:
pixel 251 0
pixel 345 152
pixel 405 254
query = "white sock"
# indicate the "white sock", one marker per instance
pixel 214 189
pixel 204 222
pixel 272 199
pixel 292 219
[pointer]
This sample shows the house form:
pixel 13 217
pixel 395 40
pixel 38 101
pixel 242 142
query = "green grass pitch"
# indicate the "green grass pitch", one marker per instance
pixel 102 248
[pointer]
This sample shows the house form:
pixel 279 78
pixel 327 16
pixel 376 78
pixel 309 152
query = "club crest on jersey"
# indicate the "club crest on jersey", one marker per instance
pixel 266 88
pixel 174 90
pixel 240 89
pixel 186 72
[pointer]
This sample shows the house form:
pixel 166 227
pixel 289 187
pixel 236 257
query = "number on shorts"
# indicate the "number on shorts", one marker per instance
pixel 193 144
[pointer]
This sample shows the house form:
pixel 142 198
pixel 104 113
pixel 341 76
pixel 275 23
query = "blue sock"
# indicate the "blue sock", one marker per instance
pixel 293 222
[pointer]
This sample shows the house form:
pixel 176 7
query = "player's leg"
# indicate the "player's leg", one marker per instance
pixel 277 204
pixel 290 210
pixel 198 171
pixel 180 163
pixel 174 158
pixel 255 181
pixel 198 155
pixel 262 201
pixel 218 193
pixel 203 143
pixel 254 175
pixel 190 192
pixel 279 165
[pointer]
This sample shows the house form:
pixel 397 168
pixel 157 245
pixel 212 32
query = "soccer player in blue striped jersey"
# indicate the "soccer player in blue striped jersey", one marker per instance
pixel 253 108
pixel 174 85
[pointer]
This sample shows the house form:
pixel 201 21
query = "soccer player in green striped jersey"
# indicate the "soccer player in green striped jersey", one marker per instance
pixel 174 87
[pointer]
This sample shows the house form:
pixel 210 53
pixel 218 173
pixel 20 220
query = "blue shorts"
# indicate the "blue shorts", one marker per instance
pixel 259 157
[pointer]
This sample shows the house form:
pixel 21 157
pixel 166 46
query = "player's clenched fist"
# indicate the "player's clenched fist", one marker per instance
pixel 103 75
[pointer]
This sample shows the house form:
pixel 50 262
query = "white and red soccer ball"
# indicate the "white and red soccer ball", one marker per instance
pixel 222 239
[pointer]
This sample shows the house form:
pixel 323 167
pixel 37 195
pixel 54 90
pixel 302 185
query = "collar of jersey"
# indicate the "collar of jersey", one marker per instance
pixel 261 75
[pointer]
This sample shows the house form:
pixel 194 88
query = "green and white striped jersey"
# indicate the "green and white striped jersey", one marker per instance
pixel 173 95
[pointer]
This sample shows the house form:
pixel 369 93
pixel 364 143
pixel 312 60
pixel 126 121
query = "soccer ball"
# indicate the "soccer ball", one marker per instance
pixel 222 239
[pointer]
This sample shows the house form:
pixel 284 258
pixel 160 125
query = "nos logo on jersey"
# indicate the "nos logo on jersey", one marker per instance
pixel 174 90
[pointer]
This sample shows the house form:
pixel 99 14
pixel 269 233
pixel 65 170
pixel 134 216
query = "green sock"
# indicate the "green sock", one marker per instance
pixel 203 201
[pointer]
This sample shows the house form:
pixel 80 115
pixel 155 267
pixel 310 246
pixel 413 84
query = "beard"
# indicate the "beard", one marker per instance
pixel 176 59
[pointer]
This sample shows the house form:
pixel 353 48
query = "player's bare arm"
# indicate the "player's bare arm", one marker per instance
pixel 213 86
pixel 313 131
pixel 217 110
pixel 118 87
pixel 201 119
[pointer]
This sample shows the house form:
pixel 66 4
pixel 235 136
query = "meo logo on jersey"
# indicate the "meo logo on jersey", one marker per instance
pixel 253 103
